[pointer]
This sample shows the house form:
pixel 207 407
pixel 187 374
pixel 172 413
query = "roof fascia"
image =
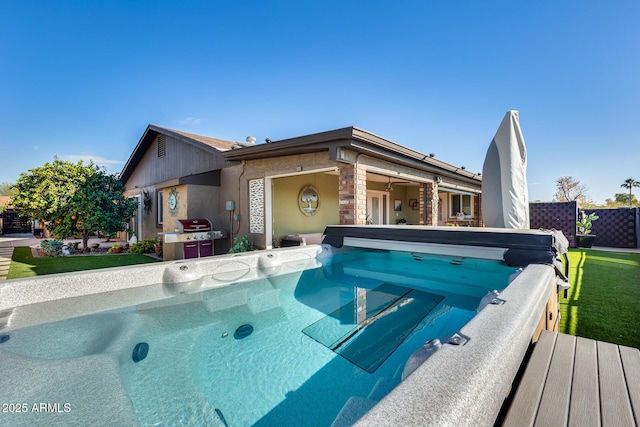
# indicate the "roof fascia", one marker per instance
pixel 298 145
pixel 358 140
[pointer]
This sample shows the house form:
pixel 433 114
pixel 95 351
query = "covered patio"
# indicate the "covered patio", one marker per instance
pixel 347 176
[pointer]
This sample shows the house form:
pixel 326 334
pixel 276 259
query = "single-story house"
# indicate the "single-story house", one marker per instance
pixel 294 186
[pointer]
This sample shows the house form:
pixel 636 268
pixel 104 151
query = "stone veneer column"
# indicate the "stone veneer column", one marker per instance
pixel 428 203
pixel 352 194
pixel 477 209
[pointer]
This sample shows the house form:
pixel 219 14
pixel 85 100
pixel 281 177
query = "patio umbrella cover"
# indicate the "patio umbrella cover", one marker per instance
pixel 505 196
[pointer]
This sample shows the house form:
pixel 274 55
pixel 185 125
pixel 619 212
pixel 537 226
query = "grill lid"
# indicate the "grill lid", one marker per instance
pixel 192 225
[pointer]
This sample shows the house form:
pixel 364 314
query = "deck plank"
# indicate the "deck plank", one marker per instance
pixel 554 404
pixel 584 408
pixel 631 365
pixel 573 381
pixel 524 407
pixel 614 399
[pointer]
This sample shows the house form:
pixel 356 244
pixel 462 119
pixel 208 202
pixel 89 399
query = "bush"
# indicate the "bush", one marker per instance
pixel 51 247
pixel 143 247
pixel 241 244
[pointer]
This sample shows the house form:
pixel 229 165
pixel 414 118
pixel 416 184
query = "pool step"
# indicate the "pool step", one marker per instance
pixel 355 408
pixel 367 330
pixel 79 391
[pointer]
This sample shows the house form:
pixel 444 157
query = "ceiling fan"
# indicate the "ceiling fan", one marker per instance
pixel 388 186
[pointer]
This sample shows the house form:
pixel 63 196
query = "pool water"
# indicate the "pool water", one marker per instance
pixel 306 348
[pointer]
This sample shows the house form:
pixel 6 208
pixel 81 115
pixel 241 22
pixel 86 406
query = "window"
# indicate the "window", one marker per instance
pixel 159 206
pixel 460 203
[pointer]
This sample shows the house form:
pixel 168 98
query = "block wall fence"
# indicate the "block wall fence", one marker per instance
pixel 617 228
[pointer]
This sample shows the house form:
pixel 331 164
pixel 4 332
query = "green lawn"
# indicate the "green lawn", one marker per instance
pixel 23 264
pixel 604 299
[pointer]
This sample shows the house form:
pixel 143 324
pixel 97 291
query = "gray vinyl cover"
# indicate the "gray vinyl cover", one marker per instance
pixel 522 247
pixel 505 196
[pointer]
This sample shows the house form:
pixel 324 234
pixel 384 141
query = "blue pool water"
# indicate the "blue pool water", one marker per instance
pixel 295 349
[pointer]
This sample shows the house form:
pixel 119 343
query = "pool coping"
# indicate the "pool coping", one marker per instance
pixel 466 385
pixel 22 298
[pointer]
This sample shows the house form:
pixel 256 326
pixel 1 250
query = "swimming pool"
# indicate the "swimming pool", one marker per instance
pixel 307 336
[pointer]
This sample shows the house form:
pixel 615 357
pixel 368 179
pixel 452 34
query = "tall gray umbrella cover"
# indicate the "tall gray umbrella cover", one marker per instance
pixel 505 196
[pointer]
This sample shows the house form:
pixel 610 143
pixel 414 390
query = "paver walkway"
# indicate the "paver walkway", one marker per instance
pixel 5 261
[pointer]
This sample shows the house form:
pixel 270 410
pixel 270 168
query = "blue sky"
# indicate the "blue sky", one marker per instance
pixel 83 79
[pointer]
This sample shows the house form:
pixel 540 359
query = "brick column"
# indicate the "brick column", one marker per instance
pixel 352 194
pixel 477 209
pixel 428 204
pixel 422 201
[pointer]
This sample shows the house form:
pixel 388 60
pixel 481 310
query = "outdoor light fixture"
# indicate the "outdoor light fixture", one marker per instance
pixel 388 186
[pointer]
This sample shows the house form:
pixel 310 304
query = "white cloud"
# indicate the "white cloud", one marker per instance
pixel 189 121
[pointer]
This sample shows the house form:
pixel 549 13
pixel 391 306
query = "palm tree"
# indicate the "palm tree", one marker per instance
pixel 629 184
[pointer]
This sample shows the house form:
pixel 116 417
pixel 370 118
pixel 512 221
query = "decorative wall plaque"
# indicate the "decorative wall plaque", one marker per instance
pixel 308 200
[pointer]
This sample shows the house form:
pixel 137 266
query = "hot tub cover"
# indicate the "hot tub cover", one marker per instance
pixel 521 247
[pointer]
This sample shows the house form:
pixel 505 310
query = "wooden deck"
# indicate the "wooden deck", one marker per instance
pixel 572 381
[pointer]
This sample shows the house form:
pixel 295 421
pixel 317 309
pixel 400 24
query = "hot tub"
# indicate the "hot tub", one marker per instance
pixel 118 344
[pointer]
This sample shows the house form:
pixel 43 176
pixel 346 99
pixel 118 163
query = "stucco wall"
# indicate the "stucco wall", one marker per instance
pixel 236 183
pixel 289 219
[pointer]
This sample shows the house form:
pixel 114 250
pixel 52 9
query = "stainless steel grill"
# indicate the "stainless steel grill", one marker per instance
pixel 187 230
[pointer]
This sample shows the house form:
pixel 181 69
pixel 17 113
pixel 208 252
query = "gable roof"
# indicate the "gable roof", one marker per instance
pixel 204 142
pixel 4 201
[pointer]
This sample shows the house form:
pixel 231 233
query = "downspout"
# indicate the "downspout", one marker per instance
pixel 231 213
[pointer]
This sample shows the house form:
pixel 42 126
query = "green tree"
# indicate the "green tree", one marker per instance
pixel 622 199
pixel 73 199
pixel 6 189
pixel 629 184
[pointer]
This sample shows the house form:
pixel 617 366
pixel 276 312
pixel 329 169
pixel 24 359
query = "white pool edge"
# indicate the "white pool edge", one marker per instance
pixel 466 385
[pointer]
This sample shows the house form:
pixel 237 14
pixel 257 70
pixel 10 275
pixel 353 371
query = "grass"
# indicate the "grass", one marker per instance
pixel 23 264
pixel 604 297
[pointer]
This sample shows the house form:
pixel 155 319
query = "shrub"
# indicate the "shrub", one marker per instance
pixel 241 244
pixel 51 247
pixel 143 247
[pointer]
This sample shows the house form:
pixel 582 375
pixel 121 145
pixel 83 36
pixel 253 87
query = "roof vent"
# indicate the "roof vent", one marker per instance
pixel 161 146
pixel 251 139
